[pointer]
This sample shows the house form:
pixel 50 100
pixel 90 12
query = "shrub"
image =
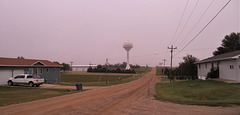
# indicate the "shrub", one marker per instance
pixel 214 73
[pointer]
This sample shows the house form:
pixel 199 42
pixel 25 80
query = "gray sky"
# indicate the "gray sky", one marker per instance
pixel 85 31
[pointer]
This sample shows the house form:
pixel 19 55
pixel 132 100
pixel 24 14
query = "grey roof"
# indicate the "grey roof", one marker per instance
pixel 225 56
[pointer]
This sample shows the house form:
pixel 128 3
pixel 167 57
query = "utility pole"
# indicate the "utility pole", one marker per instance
pixel 164 62
pixel 106 65
pixel 171 48
pixel 71 64
pixel 107 81
pixel 106 61
pixel 163 70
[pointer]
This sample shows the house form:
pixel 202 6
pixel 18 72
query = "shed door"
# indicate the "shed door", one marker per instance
pixel 4 75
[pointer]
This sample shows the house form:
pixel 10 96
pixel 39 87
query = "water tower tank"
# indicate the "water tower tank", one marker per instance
pixel 127 45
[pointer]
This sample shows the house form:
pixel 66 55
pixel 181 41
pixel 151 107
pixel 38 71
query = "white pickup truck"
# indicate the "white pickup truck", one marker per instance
pixel 26 79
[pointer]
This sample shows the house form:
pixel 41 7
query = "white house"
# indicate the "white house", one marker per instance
pixel 228 65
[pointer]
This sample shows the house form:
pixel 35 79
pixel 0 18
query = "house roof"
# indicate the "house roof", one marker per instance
pixel 15 62
pixel 225 56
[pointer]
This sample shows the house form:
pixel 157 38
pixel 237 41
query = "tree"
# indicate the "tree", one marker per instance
pixel 56 62
pixel 65 66
pixel 229 43
pixel 188 68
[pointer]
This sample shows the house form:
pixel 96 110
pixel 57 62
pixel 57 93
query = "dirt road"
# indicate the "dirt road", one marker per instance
pixel 131 98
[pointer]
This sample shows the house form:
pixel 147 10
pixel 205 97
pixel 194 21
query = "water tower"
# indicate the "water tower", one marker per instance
pixel 127 46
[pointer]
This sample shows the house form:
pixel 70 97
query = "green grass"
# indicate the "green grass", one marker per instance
pixel 165 79
pixel 99 79
pixel 196 92
pixel 15 95
pixel 91 78
pixel 159 71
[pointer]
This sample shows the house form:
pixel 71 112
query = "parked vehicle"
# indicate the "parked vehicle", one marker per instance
pixel 25 79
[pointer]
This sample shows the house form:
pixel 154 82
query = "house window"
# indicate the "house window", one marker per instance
pixel 231 67
pixel 47 70
pixel 199 66
pixel 212 65
pixel 206 65
pixel 55 69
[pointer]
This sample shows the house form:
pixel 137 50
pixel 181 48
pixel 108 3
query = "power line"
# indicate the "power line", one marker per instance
pixel 196 23
pixel 204 27
pixel 179 22
pixel 189 18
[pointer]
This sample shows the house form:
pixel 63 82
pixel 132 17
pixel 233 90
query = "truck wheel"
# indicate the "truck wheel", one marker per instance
pixel 37 85
pixel 31 84
pixel 10 83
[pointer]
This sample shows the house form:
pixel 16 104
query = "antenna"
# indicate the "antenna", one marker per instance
pixel 71 64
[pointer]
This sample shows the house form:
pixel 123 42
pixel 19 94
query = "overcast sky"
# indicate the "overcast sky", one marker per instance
pixel 85 31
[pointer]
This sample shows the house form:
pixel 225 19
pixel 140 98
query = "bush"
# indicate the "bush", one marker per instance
pixel 214 73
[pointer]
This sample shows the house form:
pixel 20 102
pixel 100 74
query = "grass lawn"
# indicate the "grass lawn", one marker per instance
pixel 14 95
pixel 196 92
pixel 159 71
pixel 99 79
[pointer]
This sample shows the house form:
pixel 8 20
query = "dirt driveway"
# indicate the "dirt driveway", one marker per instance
pixel 133 98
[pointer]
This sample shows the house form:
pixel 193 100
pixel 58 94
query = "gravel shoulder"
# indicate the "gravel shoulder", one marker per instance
pixel 132 98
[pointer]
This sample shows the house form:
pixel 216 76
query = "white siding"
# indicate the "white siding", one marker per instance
pixel 225 72
pixel 238 69
pixel 204 69
pixel 17 71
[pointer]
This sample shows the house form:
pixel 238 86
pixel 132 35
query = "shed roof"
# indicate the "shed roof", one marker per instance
pixel 15 62
pixel 225 56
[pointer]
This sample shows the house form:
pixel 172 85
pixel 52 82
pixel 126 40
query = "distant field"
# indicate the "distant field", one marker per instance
pixel 159 71
pixel 14 95
pixel 196 92
pixel 101 79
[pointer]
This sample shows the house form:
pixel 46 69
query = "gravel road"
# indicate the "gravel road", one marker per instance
pixel 133 98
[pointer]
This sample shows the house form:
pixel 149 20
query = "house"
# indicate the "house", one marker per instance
pixel 9 67
pixel 228 65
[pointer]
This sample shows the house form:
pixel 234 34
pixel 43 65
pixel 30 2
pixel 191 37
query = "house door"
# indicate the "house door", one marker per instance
pixel 37 72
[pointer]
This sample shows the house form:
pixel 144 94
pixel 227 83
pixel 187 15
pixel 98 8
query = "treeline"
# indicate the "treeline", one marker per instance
pixel 186 69
pixel 116 68
pixel 123 65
